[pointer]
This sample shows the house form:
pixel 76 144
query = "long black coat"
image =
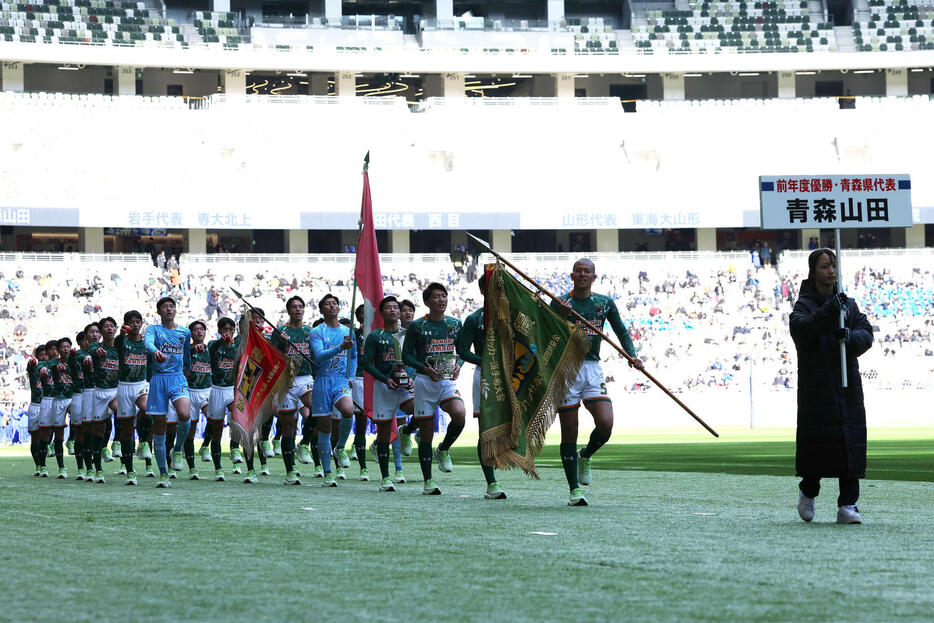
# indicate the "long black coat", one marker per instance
pixel 831 438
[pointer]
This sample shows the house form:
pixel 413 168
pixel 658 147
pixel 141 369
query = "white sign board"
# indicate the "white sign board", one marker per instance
pixel 834 201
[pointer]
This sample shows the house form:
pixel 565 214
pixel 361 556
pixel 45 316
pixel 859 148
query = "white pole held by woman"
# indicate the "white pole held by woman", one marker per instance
pixel 839 288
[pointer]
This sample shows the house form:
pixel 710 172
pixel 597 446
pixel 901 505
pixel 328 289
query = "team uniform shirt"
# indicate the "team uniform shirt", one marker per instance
pixel 334 366
pixel 106 374
pixel 35 398
pixel 425 338
pixel 168 382
pixel 379 360
pixel 304 381
pixel 134 371
pixel 597 309
pixel 471 336
pixel 199 382
pixel 47 405
pixel 223 358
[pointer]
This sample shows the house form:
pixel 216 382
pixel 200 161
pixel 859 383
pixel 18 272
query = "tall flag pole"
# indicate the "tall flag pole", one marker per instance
pixel 368 276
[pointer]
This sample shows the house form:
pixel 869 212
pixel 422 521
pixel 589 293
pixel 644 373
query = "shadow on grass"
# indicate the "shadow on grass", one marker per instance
pixel 907 460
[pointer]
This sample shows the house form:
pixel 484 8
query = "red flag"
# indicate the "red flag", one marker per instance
pixel 260 374
pixel 369 278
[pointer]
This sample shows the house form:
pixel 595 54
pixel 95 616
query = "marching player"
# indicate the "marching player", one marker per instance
pixel 334 352
pixel 589 386
pixel 392 390
pixel 199 389
pixel 64 379
pixel 170 347
pixel 132 388
pixel 33 368
pixel 51 391
pixel 103 363
pixel 74 411
pixel 288 338
pixel 472 335
pixel 222 353
pixel 429 342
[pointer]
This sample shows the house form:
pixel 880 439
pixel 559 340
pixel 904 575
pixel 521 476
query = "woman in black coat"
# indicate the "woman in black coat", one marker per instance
pixel 831 436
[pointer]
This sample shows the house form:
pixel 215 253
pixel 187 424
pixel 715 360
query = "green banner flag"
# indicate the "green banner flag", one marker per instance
pixel 531 357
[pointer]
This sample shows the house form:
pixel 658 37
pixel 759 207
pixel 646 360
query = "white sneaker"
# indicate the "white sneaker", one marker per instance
pixel 806 507
pixel 848 514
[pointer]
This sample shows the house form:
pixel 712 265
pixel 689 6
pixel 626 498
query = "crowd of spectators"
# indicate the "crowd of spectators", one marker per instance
pixel 700 325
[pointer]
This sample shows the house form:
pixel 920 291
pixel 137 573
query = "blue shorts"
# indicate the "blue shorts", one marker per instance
pixel 325 393
pixel 165 388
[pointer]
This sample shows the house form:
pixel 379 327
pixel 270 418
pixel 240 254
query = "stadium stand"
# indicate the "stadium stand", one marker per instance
pixel 114 22
pixel 895 25
pixel 715 27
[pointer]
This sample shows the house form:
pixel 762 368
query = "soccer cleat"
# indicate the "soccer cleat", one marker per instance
pixel 193 474
pixel 173 474
pixel 71 447
pixel 237 469
pixel 583 469
pixel 405 444
pixel 364 475
pixel 120 472
pixel 149 472
pixel 51 450
pixel 38 471
pixel 431 488
pixel 806 507
pixel 131 478
pixel 329 481
pixel 177 464
pixel 236 456
pixel 277 447
pixel 340 473
pixel 291 479
pixel 386 484
pixel 399 477
pixel 297 472
pixel 43 472
pixel 444 460
pixel 163 482
pixel 264 471
pixel 342 457
pixel 117 453
pixel 89 475
pixel 577 498
pixel 80 475
pixel 494 492
pixel 304 454
pixel 106 455
pixel 62 473
pixel 144 451
pixel 266 448
pixel 99 477
pixel 250 478
pixel 205 454
pixel 848 514
pixel 319 472
pixel 373 452
pixel 219 475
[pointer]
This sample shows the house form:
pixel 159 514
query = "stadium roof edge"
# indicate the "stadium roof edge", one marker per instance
pixel 441 61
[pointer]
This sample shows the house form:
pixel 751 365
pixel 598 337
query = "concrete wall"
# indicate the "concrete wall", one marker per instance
pixel 727 86
pixel 856 84
pixel 198 84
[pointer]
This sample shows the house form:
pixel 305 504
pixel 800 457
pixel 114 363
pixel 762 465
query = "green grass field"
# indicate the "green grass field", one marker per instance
pixel 680 527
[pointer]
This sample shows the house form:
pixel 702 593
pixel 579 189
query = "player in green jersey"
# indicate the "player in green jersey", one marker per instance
pixel 199 390
pixel 62 372
pixel 51 390
pixel 429 348
pixel 93 334
pixel 392 388
pixel 292 339
pixel 589 386
pixel 132 389
pixel 104 362
pixel 471 336
pixel 223 356
pixel 75 442
pixel 33 368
